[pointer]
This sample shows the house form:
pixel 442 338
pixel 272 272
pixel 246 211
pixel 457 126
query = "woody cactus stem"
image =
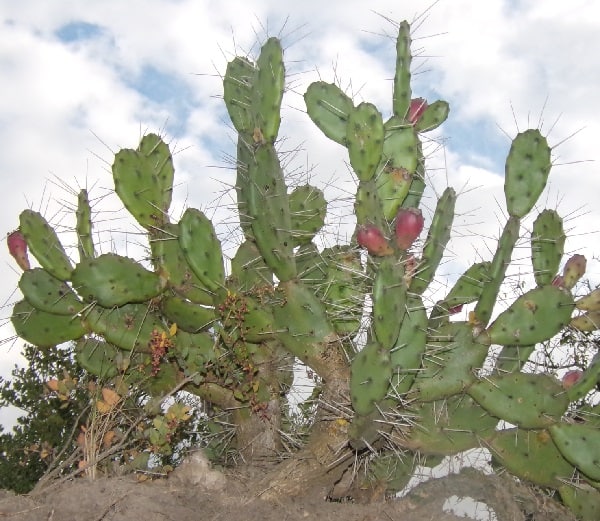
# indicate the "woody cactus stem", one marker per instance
pixel 237 332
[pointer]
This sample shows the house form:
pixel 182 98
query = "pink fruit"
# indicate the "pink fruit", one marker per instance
pixel 409 224
pixel 570 378
pixel 558 281
pixel 17 247
pixel 574 270
pixel 416 109
pixel 371 238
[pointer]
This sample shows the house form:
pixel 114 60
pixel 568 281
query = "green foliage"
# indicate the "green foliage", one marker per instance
pixel 46 424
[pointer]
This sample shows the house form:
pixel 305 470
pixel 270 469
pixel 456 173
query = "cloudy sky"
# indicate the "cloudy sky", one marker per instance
pixel 80 80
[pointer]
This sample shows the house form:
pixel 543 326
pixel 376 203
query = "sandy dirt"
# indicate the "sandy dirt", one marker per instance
pixel 194 491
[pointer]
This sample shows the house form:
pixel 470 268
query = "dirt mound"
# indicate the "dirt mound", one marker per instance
pixel 195 492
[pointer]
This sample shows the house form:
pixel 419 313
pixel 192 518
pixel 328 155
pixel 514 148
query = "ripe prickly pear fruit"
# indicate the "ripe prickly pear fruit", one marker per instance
pixel 371 238
pixel 570 378
pixel 574 270
pixel 409 224
pixel 17 247
pixel 416 109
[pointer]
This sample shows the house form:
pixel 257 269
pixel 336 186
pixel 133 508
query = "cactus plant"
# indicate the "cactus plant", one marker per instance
pixel 354 314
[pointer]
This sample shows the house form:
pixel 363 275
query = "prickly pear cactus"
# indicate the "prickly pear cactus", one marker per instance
pixel 354 313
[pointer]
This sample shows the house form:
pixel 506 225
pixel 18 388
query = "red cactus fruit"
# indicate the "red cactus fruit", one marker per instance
pixel 17 247
pixel 371 238
pixel 574 270
pixel 558 281
pixel 570 378
pixel 409 224
pixel 416 109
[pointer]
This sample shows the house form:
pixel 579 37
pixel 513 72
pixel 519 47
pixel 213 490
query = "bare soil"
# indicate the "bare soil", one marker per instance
pixel 194 491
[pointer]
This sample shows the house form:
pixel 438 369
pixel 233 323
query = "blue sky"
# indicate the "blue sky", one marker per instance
pixel 83 79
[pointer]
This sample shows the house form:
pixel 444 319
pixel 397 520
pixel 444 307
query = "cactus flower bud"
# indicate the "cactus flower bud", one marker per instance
pixel 409 224
pixel 17 247
pixel 416 109
pixel 570 378
pixel 371 238
pixel 574 270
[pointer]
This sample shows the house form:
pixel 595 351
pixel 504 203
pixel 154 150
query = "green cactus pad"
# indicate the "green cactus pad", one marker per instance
pixel 312 268
pixel 513 358
pixel 364 139
pixel 389 301
pixel 450 426
pixel 114 280
pixel 301 321
pixel 402 90
pixel 144 180
pixel 531 455
pixel 466 290
pixel 367 205
pixel 129 327
pixel 450 363
pixel 433 116
pixel 588 380
pixel 308 209
pixel 269 209
pixel 85 243
pixel 365 429
pixel 202 248
pixel 246 318
pixel 531 401
pixel 187 315
pixel 269 84
pixel 243 183
pixel 370 375
pixel 47 293
pixel 468 287
pixel 527 168
pixel 582 499
pixel 435 244
pixel 586 322
pixel 97 357
pixel 194 351
pixel 534 317
pixel 44 329
pixel 44 244
pixel 418 184
pixel 405 356
pixel 248 269
pixel 580 445
pixel 500 262
pixel 399 162
pixel 169 260
pixel 237 92
pixel 589 302
pixel 547 246
pixel 343 288
pixel 329 107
